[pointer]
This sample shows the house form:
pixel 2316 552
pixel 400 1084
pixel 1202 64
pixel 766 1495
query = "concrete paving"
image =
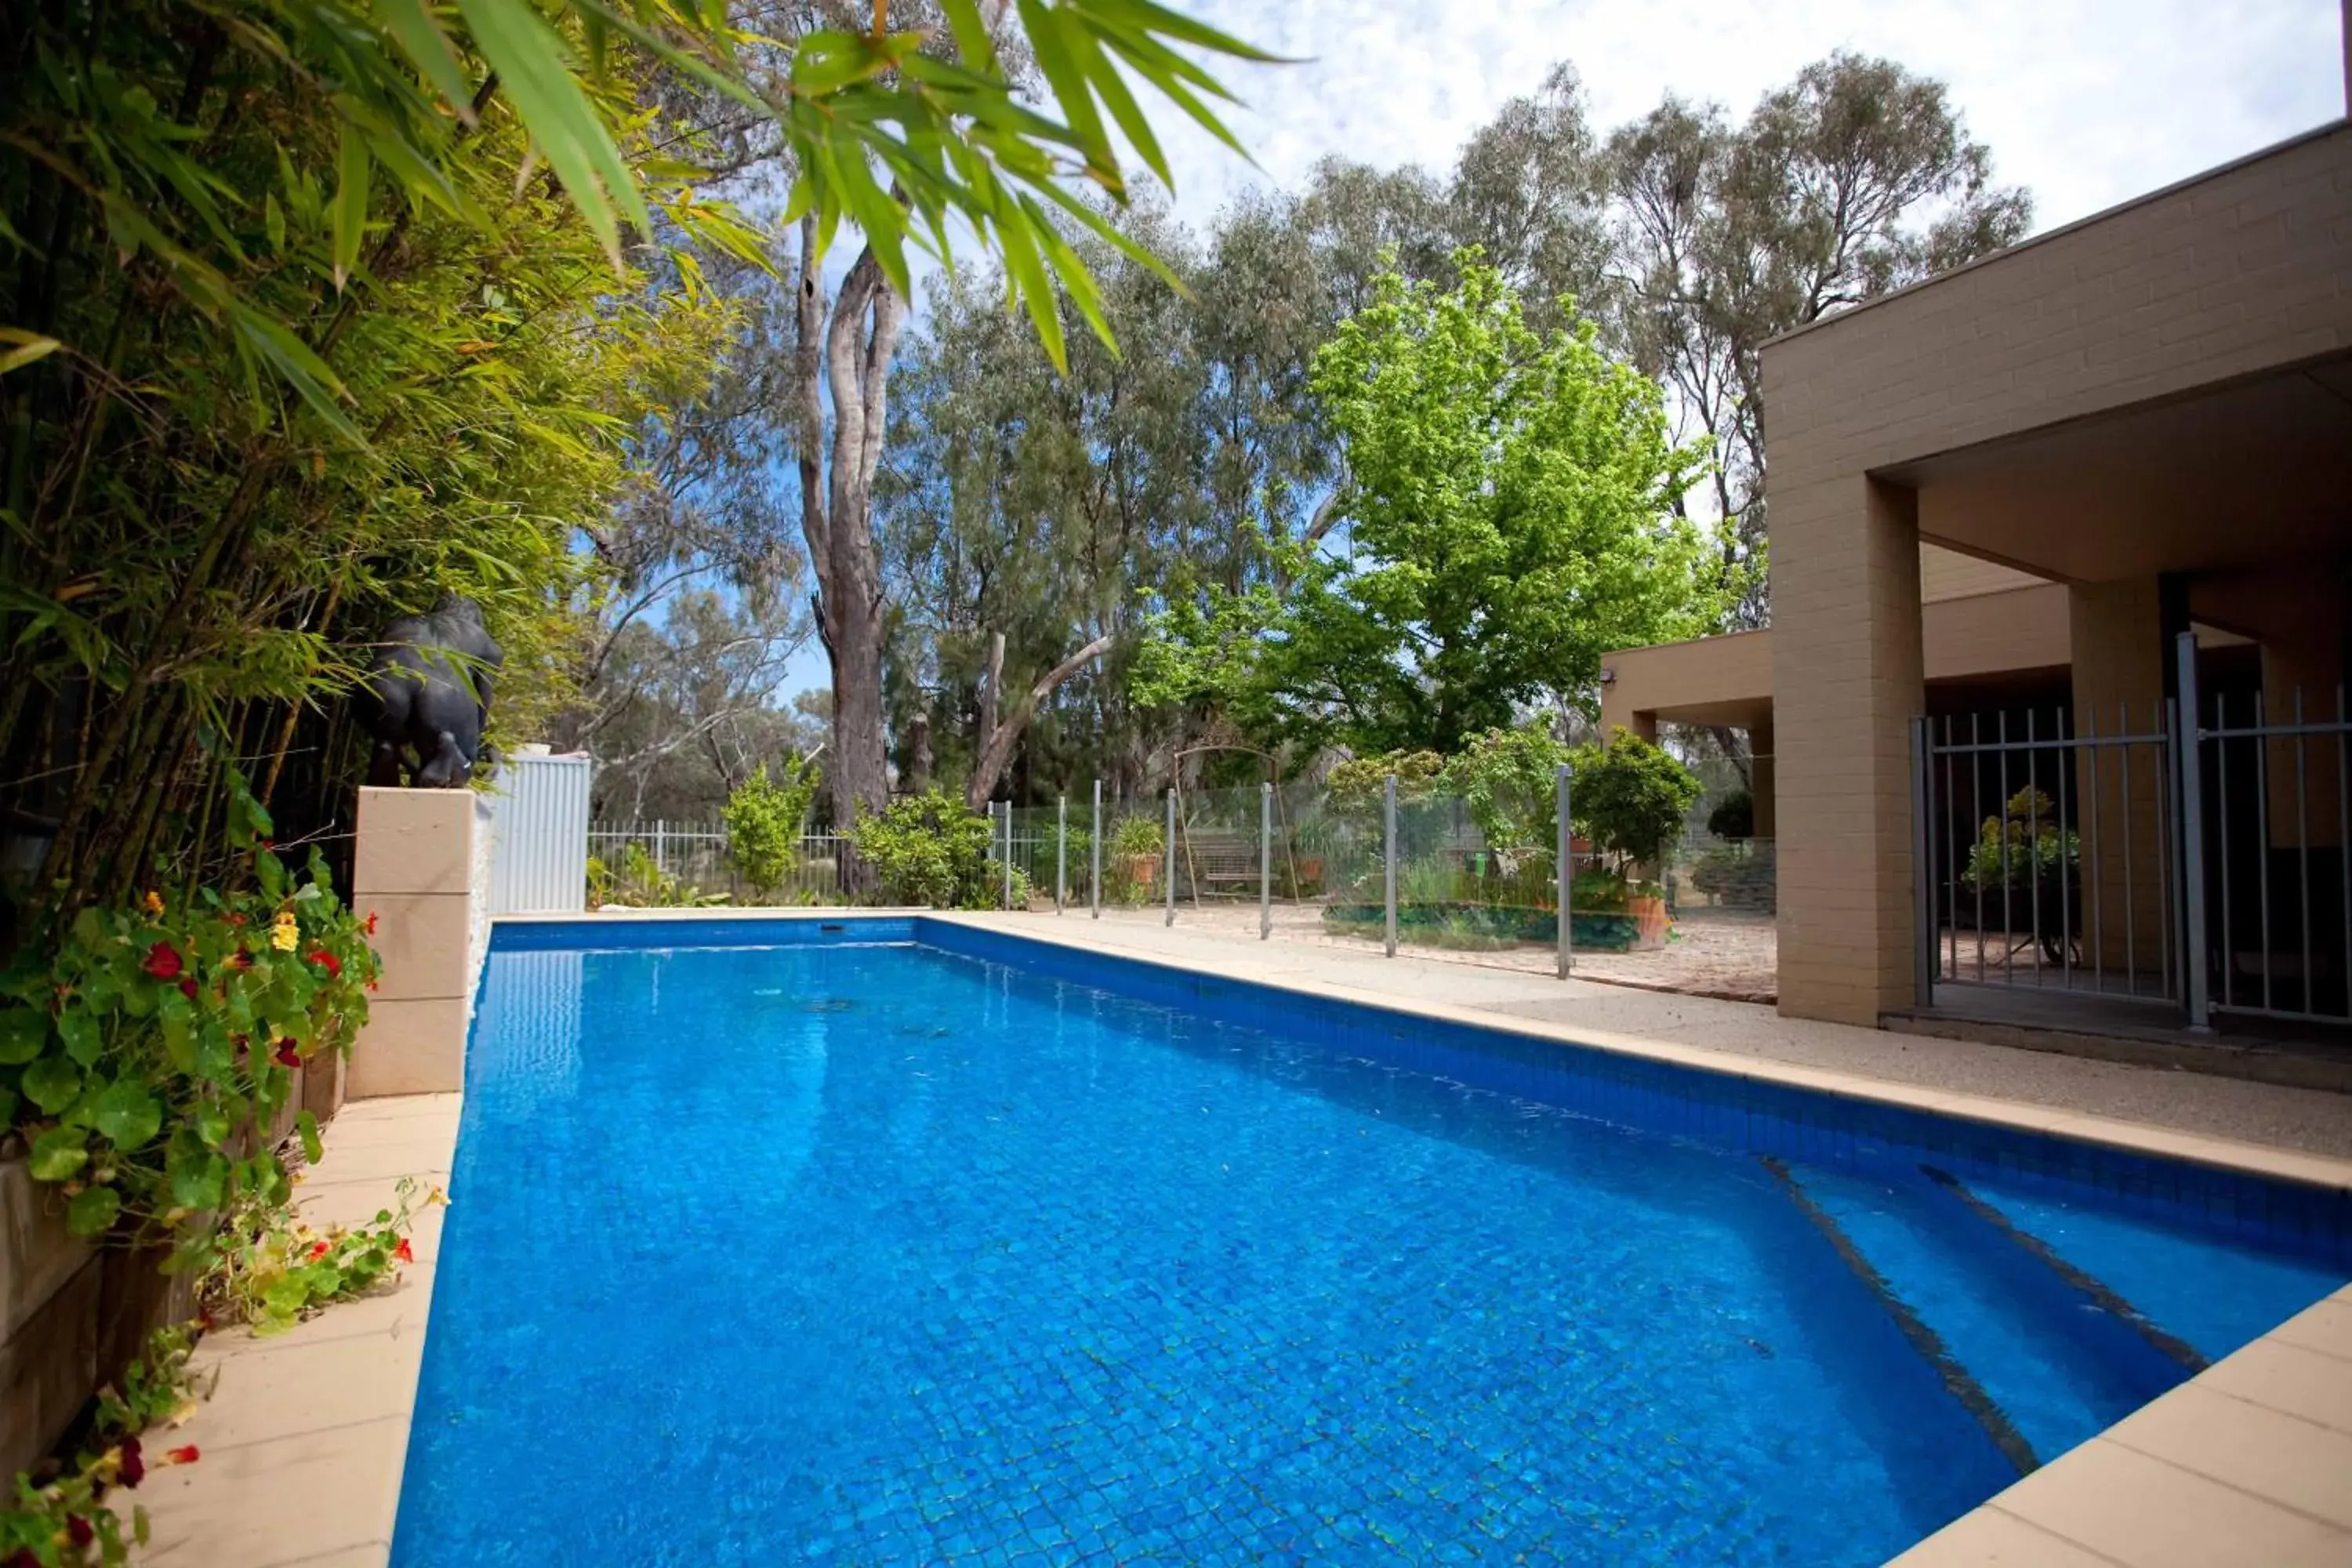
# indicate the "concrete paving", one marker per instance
pixel 2309 1120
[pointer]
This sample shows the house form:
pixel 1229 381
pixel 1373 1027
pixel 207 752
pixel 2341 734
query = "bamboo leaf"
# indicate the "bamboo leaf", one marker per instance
pixel 350 211
pixel 428 48
pixel 29 348
pixel 535 73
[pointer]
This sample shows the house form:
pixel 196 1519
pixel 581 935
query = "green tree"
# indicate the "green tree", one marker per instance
pixel 1856 178
pixel 1510 515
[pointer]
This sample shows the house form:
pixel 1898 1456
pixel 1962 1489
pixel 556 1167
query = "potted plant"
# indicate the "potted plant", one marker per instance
pixel 1633 799
pixel 1137 844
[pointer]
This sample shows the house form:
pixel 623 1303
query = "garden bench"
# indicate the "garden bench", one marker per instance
pixel 1217 860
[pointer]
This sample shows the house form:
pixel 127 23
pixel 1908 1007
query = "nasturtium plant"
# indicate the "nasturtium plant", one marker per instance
pixel 137 1045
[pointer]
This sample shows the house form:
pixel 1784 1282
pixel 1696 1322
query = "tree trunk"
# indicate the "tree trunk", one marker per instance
pixel 1000 727
pixel 846 352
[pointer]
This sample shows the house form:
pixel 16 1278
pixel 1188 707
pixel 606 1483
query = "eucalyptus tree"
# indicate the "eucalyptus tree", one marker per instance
pixel 1856 178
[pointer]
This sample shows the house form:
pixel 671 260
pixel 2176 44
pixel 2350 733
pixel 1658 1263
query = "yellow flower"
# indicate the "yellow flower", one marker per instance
pixel 154 902
pixel 284 935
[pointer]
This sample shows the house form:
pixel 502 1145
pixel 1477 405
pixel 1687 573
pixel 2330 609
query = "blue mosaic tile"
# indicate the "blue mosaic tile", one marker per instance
pixel 818 1247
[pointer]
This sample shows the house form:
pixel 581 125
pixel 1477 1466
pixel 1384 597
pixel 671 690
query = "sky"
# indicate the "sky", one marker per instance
pixel 2084 102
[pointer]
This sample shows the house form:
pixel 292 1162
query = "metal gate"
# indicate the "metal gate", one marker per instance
pixel 2049 852
pixel 2266 808
pixel 2195 852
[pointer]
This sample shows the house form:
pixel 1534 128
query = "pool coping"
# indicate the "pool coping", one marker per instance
pixel 2249 1460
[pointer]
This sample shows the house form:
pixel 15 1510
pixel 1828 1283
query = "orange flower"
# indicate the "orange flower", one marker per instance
pixel 403 1252
pixel 368 925
pixel 317 1250
pixel 155 901
pixel 183 1456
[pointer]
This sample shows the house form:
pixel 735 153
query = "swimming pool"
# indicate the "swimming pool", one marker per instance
pixel 907 1242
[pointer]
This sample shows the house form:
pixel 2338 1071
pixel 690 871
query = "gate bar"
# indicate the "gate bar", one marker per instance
pixel 1923 879
pixel 2188 755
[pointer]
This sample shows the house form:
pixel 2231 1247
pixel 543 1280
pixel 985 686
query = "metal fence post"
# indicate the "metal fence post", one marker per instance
pixel 1563 871
pixel 1264 861
pixel 1094 882
pixel 1008 856
pixel 1169 851
pixel 1061 850
pixel 660 864
pixel 2186 761
pixel 1922 873
pixel 1388 855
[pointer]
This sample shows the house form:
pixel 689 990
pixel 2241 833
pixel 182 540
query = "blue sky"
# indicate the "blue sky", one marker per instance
pixel 2085 103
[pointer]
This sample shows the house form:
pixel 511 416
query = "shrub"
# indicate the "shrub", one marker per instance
pixel 1631 798
pixel 1733 817
pixel 765 821
pixel 929 850
pixel 638 882
pixel 1509 781
pixel 1358 785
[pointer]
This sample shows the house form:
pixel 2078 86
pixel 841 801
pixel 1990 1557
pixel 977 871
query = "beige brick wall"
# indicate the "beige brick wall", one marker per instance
pixel 1847 677
pixel 2118 690
pixel 416 869
pixel 2241 270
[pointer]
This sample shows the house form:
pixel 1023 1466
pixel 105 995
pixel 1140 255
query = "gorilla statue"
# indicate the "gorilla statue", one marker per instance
pixel 427 696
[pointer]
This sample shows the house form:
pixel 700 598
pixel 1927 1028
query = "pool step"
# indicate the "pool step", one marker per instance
pixel 2041 1353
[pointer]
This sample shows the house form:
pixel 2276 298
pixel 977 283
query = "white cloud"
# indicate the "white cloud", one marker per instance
pixel 2085 103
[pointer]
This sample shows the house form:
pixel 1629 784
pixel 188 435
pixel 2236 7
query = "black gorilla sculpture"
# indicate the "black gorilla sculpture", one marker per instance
pixel 428 695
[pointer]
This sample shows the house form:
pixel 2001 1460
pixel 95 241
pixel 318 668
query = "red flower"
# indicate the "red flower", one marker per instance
pixel 330 962
pixel 288 1057
pixel 187 988
pixel 78 1530
pixel 240 959
pixel 237 920
pixel 368 925
pixel 403 1253
pixel 135 1468
pixel 24 1559
pixel 163 961
pixel 317 1250
pixel 187 1456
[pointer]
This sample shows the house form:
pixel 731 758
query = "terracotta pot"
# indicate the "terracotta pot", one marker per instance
pixel 1143 870
pixel 1650 922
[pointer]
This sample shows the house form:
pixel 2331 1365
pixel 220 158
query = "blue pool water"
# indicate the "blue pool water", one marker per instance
pixel 856 1252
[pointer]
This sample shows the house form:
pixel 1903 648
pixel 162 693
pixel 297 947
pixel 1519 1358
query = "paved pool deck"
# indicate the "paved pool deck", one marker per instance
pixel 2251 1462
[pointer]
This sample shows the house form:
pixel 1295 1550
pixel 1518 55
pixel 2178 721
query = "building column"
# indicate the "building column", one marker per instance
pixel 2116 641
pixel 1761 786
pixel 417 869
pixel 1846 681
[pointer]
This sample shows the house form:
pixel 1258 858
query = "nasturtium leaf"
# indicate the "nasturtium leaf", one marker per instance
pixel 58 1154
pixel 51 1083
pixel 22 1032
pixel 127 1114
pixel 77 1027
pixel 92 1210
pixel 306 1126
pixel 198 1178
